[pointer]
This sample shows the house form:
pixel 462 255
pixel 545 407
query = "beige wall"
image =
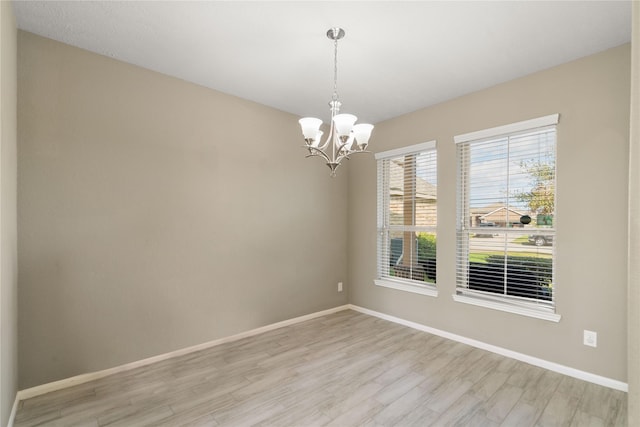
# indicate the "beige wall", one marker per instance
pixel 634 228
pixel 155 214
pixel 8 228
pixel 149 221
pixel 592 97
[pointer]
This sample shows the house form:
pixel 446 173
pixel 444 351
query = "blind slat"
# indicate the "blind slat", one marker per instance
pixel 501 180
pixel 407 214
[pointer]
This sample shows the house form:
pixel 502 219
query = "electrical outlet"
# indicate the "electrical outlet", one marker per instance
pixel 339 286
pixel 590 338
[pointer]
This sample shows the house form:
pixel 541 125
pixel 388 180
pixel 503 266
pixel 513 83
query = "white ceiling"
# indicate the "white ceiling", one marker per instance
pixel 397 57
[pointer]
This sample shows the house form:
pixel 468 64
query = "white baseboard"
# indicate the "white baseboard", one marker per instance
pixel 83 378
pixel 14 411
pixel 565 370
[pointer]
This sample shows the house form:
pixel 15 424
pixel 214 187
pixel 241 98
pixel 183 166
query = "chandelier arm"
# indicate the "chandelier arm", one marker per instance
pixel 317 152
pixel 329 137
pixel 341 145
pixel 333 137
pixel 332 133
pixel 342 157
pixel 350 152
pixel 333 145
pixel 323 146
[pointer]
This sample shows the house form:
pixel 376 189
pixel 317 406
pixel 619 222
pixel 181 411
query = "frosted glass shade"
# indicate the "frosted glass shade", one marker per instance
pixel 344 123
pixel 317 139
pixel 310 127
pixel 362 132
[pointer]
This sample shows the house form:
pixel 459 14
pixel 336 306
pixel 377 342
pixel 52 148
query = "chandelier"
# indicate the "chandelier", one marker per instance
pixel 345 137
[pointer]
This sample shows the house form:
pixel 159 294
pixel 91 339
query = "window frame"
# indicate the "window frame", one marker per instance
pixel 383 226
pixel 506 303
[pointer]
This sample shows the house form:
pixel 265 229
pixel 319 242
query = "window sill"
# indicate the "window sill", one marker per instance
pixel 509 308
pixel 429 290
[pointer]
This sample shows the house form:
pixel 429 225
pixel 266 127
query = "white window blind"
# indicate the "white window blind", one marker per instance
pixel 407 216
pixel 506 215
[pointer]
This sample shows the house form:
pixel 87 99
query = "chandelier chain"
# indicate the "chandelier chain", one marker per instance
pixel 335 70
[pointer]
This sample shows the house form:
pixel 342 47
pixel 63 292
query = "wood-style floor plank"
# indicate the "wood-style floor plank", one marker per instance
pixel 344 369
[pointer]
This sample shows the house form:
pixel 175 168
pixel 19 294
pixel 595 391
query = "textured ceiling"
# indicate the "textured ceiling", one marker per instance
pixel 396 57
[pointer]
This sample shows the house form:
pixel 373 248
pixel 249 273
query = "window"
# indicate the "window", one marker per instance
pixel 506 217
pixel 407 218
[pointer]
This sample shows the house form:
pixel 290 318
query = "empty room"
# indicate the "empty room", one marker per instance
pixel 301 213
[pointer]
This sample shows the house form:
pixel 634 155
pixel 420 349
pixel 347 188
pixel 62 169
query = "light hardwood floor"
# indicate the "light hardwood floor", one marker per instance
pixel 344 369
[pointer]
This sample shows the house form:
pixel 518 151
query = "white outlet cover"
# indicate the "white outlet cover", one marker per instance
pixel 590 338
